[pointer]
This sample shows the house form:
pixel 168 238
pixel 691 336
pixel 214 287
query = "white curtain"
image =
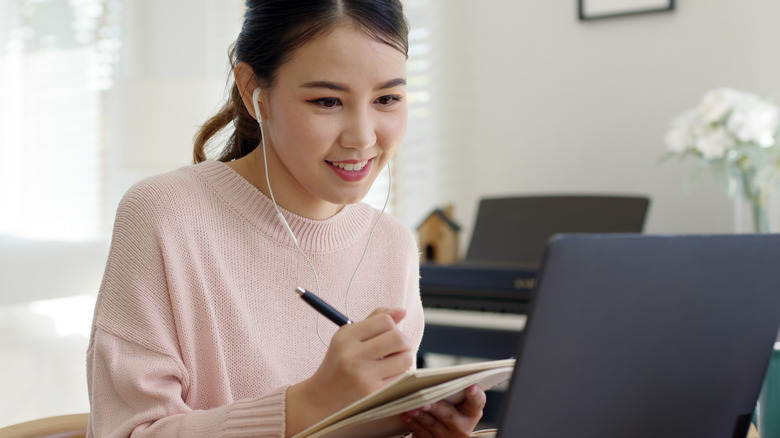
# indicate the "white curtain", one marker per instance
pixel 79 80
pixel 57 59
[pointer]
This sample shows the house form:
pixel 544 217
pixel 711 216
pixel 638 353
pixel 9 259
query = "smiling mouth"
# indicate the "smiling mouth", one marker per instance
pixel 350 167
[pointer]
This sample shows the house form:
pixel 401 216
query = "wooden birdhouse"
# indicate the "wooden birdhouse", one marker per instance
pixel 437 236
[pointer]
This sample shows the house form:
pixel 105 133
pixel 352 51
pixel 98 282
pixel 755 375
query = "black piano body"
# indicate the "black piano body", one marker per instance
pixel 477 287
pixel 489 291
pixel 469 288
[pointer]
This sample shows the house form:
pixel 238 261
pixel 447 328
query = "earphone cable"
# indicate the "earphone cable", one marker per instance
pixel 281 217
pixel 365 250
pixel 370 234
pixel 295 240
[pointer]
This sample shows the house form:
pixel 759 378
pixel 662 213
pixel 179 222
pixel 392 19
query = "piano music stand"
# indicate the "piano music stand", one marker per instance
pixel 515 230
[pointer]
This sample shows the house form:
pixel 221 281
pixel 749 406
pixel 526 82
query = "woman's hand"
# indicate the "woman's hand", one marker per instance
pixel 445 420
pixel 362 358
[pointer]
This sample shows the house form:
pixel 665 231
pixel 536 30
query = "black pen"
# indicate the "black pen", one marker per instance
pixel 321 306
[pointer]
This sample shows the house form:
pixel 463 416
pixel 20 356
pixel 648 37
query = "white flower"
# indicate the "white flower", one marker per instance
pixel 724 120
pixel 713 143
pixel 734 132
pixel 754 121
pixel 680 137
pixel 716 104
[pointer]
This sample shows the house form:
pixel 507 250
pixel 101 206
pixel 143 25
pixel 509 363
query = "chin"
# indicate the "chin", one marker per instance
pixel 354 199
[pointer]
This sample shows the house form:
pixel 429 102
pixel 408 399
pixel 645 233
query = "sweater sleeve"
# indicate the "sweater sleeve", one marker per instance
pixel 138 381
pixel 136 391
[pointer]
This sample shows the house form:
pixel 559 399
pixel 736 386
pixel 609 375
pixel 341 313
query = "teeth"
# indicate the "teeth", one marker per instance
pixel 352 167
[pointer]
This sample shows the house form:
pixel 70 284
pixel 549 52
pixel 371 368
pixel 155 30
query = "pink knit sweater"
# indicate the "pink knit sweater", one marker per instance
pixel 198 330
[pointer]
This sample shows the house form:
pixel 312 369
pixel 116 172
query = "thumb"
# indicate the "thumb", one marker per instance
pixel 474 402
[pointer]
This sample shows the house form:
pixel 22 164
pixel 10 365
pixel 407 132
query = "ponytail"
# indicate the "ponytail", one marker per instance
pixel 245 136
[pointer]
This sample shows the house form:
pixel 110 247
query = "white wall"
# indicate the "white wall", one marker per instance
pixel 171 78
pixel 535 101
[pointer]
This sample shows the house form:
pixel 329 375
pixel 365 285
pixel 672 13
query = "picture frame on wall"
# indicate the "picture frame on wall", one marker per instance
pixel 596 9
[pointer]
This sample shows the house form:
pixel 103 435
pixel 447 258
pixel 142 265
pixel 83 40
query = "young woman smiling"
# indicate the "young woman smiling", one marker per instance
pixel 198 330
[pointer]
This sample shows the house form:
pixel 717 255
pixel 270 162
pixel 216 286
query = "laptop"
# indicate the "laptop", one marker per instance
pixel 646 336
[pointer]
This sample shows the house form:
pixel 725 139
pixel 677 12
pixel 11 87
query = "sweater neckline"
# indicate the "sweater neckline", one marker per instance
pixel 313 235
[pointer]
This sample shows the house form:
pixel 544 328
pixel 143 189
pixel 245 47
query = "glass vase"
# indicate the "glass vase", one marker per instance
pixel 750 215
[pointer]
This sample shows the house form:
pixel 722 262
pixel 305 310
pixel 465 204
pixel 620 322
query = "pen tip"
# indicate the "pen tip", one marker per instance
pixel 300 290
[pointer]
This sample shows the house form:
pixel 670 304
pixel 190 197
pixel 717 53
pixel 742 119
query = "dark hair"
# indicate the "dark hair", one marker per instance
pixel 272 31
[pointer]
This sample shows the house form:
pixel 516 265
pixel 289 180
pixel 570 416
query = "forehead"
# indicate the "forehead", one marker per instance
pixel 346 54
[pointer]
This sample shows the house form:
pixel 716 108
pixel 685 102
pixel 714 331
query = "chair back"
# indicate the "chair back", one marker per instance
pixel 62 426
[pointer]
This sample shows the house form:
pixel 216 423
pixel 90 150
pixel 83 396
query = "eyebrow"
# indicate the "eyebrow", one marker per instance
pixel 339 87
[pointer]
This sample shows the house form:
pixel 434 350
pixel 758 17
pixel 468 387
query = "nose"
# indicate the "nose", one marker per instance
pixel 359 130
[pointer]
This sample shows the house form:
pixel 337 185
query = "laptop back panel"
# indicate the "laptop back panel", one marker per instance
pixel 646 336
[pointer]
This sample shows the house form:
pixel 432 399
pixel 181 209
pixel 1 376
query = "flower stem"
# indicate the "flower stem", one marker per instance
pixel 760 218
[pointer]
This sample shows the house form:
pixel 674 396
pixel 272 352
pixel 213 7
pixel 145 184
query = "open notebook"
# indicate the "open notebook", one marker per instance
pixel 377 416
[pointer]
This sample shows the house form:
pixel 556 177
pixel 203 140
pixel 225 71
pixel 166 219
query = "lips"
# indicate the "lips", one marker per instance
pixel 351 170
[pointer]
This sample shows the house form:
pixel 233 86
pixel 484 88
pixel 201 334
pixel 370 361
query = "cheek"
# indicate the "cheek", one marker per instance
pixel 392 132
pixel 297 129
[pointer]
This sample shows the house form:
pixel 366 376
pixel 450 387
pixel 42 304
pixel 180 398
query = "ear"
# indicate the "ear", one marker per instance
pixel 246 83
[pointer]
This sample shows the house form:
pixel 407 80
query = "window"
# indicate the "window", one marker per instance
pixel 414 171
pixel 56 59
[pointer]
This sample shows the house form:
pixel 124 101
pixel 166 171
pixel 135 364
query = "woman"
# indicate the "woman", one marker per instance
pixel 198 330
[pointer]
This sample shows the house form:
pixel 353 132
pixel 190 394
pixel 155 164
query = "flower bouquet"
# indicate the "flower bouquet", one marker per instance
pixel 733 133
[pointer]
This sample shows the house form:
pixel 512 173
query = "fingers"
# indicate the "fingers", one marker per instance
pixel 474 402
pixel 377 337
pixel 397 313
pixel 443 420
pixel 361 358
pixel 381 341
pixel 367 354
pixel 421 424
pixel 380 321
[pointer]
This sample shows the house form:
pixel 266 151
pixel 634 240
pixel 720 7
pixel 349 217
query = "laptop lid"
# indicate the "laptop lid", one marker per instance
pixel 646 336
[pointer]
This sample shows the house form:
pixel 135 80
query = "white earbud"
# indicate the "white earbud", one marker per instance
pixel 256 104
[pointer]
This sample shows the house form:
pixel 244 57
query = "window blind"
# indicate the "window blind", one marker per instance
pixel 56 59
pixel 414 169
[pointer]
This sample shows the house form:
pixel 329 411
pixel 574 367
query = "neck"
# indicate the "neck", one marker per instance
pixel 252 169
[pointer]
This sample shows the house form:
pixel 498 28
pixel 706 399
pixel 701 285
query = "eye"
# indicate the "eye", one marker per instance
pixel 326 102
pixel 388 100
